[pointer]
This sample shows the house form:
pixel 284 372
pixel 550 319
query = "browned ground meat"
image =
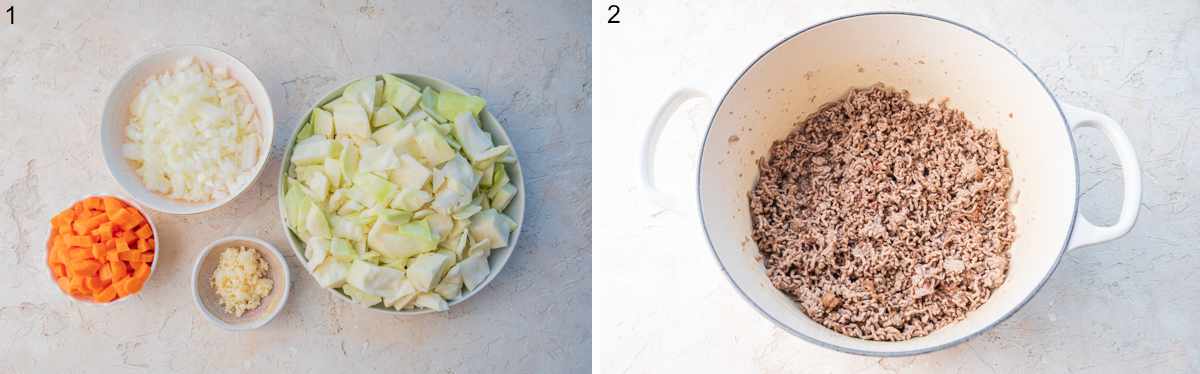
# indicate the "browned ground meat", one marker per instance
pixel 885 219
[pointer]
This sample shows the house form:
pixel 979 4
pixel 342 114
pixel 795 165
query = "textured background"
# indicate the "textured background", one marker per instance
pixel 529 60
pixel 1130 305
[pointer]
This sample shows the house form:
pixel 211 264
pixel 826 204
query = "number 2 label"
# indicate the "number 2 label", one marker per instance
pixel 616 10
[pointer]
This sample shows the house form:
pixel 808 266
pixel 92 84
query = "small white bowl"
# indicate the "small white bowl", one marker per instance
pixel 207 300
pixel 153 264
pixel 116 117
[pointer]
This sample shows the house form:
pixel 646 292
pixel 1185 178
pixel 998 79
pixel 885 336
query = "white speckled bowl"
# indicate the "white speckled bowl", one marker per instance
pixel 116 117
pixel 516 209
pixel 206 297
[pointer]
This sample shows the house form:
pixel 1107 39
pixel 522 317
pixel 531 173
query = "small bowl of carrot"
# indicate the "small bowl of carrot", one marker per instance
pixel 101 249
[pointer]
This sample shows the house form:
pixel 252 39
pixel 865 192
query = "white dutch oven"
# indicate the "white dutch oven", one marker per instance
pixel 931 58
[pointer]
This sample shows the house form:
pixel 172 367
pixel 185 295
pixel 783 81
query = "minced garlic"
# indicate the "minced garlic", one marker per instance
pixel 240 280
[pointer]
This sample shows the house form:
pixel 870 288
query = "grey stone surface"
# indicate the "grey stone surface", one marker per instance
pixel 530 60
pixel 1130 306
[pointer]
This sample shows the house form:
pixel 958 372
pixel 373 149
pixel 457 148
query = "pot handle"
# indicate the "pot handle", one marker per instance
pixel 1087 233
pixel 650 146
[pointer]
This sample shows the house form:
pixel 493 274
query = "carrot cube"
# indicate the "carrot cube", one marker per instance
pixel 79 240
pixel 130 256
pixel 144 232
pixel 129 237
pixel 108 294
pixel 94 284
pixel 104 231
pixel 64 284
pixel 77 254
pixel 133 285
pixel 59 270
pixel 141 270
pixel 83 268
pixel 119 271
pixel 98 251
pixel 147 257
pixel 76 284
pixel 93 203
pixel 111 204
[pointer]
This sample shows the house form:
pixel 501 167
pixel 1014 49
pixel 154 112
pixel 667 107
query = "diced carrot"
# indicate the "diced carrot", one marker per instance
pixel 91 223
pixel 108 294
pixel 111 204
pixel 79 240
pixel 122 246
pixel 119 271
pixel 144 232
pixel 129 237
pixel 65 217
pixel 134 284
pixel 137 215
pixel 76 284
pixel 98 251
pixel 77 254
pixel 93 284
pixel 141 270
pixel 59 270
pixel 150 244
pixel 105 231
pixel 128 256
pixel 64 284
pixel 65 230
pixel 58 251
pixel 122 287
pixel 126 219
pixel 144 245
pixel 147 257
pixel 83 267
pixel 106 273
pixel 93 203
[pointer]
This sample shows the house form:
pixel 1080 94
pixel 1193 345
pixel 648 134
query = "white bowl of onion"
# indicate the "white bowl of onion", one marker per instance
pixel 187 129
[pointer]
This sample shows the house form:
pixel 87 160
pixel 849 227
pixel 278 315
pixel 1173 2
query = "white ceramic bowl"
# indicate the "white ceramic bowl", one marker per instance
pixel 516 209
pixel 153 264
pixel 206 297
pixel 931 58
pixel 116 117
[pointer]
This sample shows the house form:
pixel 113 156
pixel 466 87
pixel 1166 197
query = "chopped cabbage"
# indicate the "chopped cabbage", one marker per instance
pixel 492 226
pixel 360 296
pixel 322 121
pixel 399 93
pixel 425 271
pixel 396 204
pixel 375 280
pixel 474 271
pixel 431 301
pixel 401 241
pixel 384 116
pixel 450 105
pixel 351 120
pixel 331 273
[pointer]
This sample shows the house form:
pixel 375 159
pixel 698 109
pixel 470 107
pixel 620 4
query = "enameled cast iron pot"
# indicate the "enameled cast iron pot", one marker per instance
pixel 931 58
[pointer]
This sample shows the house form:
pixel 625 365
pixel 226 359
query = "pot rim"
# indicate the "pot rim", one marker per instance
pixel 822 343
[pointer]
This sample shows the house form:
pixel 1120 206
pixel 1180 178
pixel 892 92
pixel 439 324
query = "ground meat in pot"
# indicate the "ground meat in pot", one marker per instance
pixel 884 219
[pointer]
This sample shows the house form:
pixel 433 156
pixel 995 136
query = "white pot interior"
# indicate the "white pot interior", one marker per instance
pixel 930 58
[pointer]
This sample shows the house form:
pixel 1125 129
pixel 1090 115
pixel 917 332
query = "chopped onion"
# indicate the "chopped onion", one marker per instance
pixel 194 133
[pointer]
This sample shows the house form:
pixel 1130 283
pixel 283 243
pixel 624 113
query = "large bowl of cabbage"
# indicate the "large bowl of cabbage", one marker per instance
pixel 401 193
